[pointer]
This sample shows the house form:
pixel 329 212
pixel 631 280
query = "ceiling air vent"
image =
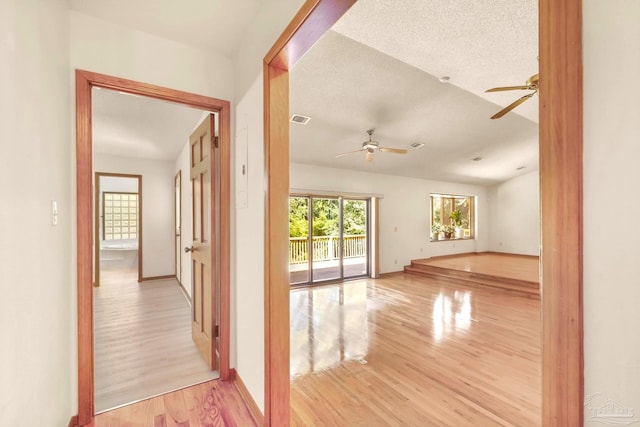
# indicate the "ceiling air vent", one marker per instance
pixel 416 145
pixel 301 120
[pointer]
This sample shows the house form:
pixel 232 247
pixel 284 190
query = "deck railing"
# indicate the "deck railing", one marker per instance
pixel 326 248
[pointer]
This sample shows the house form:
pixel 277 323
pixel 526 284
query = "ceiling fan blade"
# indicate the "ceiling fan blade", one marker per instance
pixel 369 156
pixel 511 106
pixel 393 150
pixel 502 89
pixel 349 152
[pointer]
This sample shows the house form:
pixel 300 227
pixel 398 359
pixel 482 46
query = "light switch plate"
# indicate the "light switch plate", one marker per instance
pixel 54 212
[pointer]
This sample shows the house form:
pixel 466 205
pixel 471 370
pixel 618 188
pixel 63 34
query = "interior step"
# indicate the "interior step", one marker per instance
pixel 522 287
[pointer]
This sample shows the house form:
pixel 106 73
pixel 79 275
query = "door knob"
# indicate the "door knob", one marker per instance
pixel 188 249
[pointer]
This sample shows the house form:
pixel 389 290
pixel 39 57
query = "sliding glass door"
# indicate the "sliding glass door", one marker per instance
pixel 325 226
pixel 299 239
pixel 354 238
pixel 328 239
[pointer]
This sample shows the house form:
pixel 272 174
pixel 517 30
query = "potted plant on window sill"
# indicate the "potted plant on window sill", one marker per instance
pixel 456 222
pixel 448 231
pixel 435 231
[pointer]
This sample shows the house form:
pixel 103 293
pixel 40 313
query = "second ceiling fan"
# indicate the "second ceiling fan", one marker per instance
pixel 369 147
pixel 531 84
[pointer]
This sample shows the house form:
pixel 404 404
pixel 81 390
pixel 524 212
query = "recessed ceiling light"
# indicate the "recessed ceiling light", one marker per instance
pixel 519 168
pixel 301 120
pixel 445 79
pixel 477 159
pixel 416 145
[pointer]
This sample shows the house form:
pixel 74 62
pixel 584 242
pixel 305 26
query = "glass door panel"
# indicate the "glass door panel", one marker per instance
pixel 299 261
pixel 354 238
pixel 326 239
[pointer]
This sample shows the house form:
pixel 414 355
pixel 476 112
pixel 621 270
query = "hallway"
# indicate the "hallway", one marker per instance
pixel 143 343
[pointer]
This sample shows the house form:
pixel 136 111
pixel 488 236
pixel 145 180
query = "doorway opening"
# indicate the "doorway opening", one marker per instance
pixel 560 192
pixel 118 226
pixel 141 309
pixel 157 275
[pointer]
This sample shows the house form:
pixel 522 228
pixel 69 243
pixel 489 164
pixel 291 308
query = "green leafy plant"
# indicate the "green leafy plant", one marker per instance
pixel 436 228
pixel 456 218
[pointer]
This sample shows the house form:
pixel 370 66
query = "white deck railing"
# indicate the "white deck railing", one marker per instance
pixel 326 248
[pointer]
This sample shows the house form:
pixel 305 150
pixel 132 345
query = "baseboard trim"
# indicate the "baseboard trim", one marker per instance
pixel 73 422
pixel 147 279
pixel 257 415
pixel 184 291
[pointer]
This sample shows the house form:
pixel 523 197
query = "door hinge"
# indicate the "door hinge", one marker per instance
pixel 215 141
pixel 216 331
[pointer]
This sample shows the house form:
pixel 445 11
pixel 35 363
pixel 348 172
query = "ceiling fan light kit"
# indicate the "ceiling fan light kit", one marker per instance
pixel 531 84
pixel 370 147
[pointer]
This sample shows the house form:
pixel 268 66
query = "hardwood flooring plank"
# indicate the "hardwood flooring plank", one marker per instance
pixel 143 344
pixel 405 350
pixel 504 265
pixel 159 421
pixel 210 404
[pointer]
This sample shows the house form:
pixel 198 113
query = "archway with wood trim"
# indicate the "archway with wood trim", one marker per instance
pixel 85 81
pixel 560 48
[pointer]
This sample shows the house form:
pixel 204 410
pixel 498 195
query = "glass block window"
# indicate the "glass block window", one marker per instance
pixel 119 216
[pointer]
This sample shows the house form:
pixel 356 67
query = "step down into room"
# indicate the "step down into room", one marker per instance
pixel 476 274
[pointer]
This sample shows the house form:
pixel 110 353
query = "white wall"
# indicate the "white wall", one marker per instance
pixel 157 208
pixel 248 251
pixel 104 47
pixel 404 210
pixel 250 255
pixel 36 377
pixel 611 203
pixel 514 211
pixel 182 165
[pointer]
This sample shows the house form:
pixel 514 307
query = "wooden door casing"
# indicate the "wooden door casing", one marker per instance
pixel 85 81
pixel 560 43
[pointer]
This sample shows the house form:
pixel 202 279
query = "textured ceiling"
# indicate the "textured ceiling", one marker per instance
pixel 379 69
pixel 211 24
pixel 136 126
pixel 478 44
pixel 347 88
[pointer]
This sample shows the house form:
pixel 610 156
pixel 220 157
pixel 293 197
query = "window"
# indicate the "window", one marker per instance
pixel 452 217
pixel 120 216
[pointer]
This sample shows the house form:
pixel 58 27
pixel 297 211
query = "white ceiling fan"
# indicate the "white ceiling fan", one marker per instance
pixel 370 147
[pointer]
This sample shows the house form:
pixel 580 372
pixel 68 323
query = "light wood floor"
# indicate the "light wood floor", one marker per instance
pixel 412 351
pixel 143 343
pixel 495 264
pixel 214 403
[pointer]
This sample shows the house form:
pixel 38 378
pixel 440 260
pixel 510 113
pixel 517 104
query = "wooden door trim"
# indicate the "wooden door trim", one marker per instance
pixel 560 41
pixel 85 81
pixel 560 48
pixel 96 230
